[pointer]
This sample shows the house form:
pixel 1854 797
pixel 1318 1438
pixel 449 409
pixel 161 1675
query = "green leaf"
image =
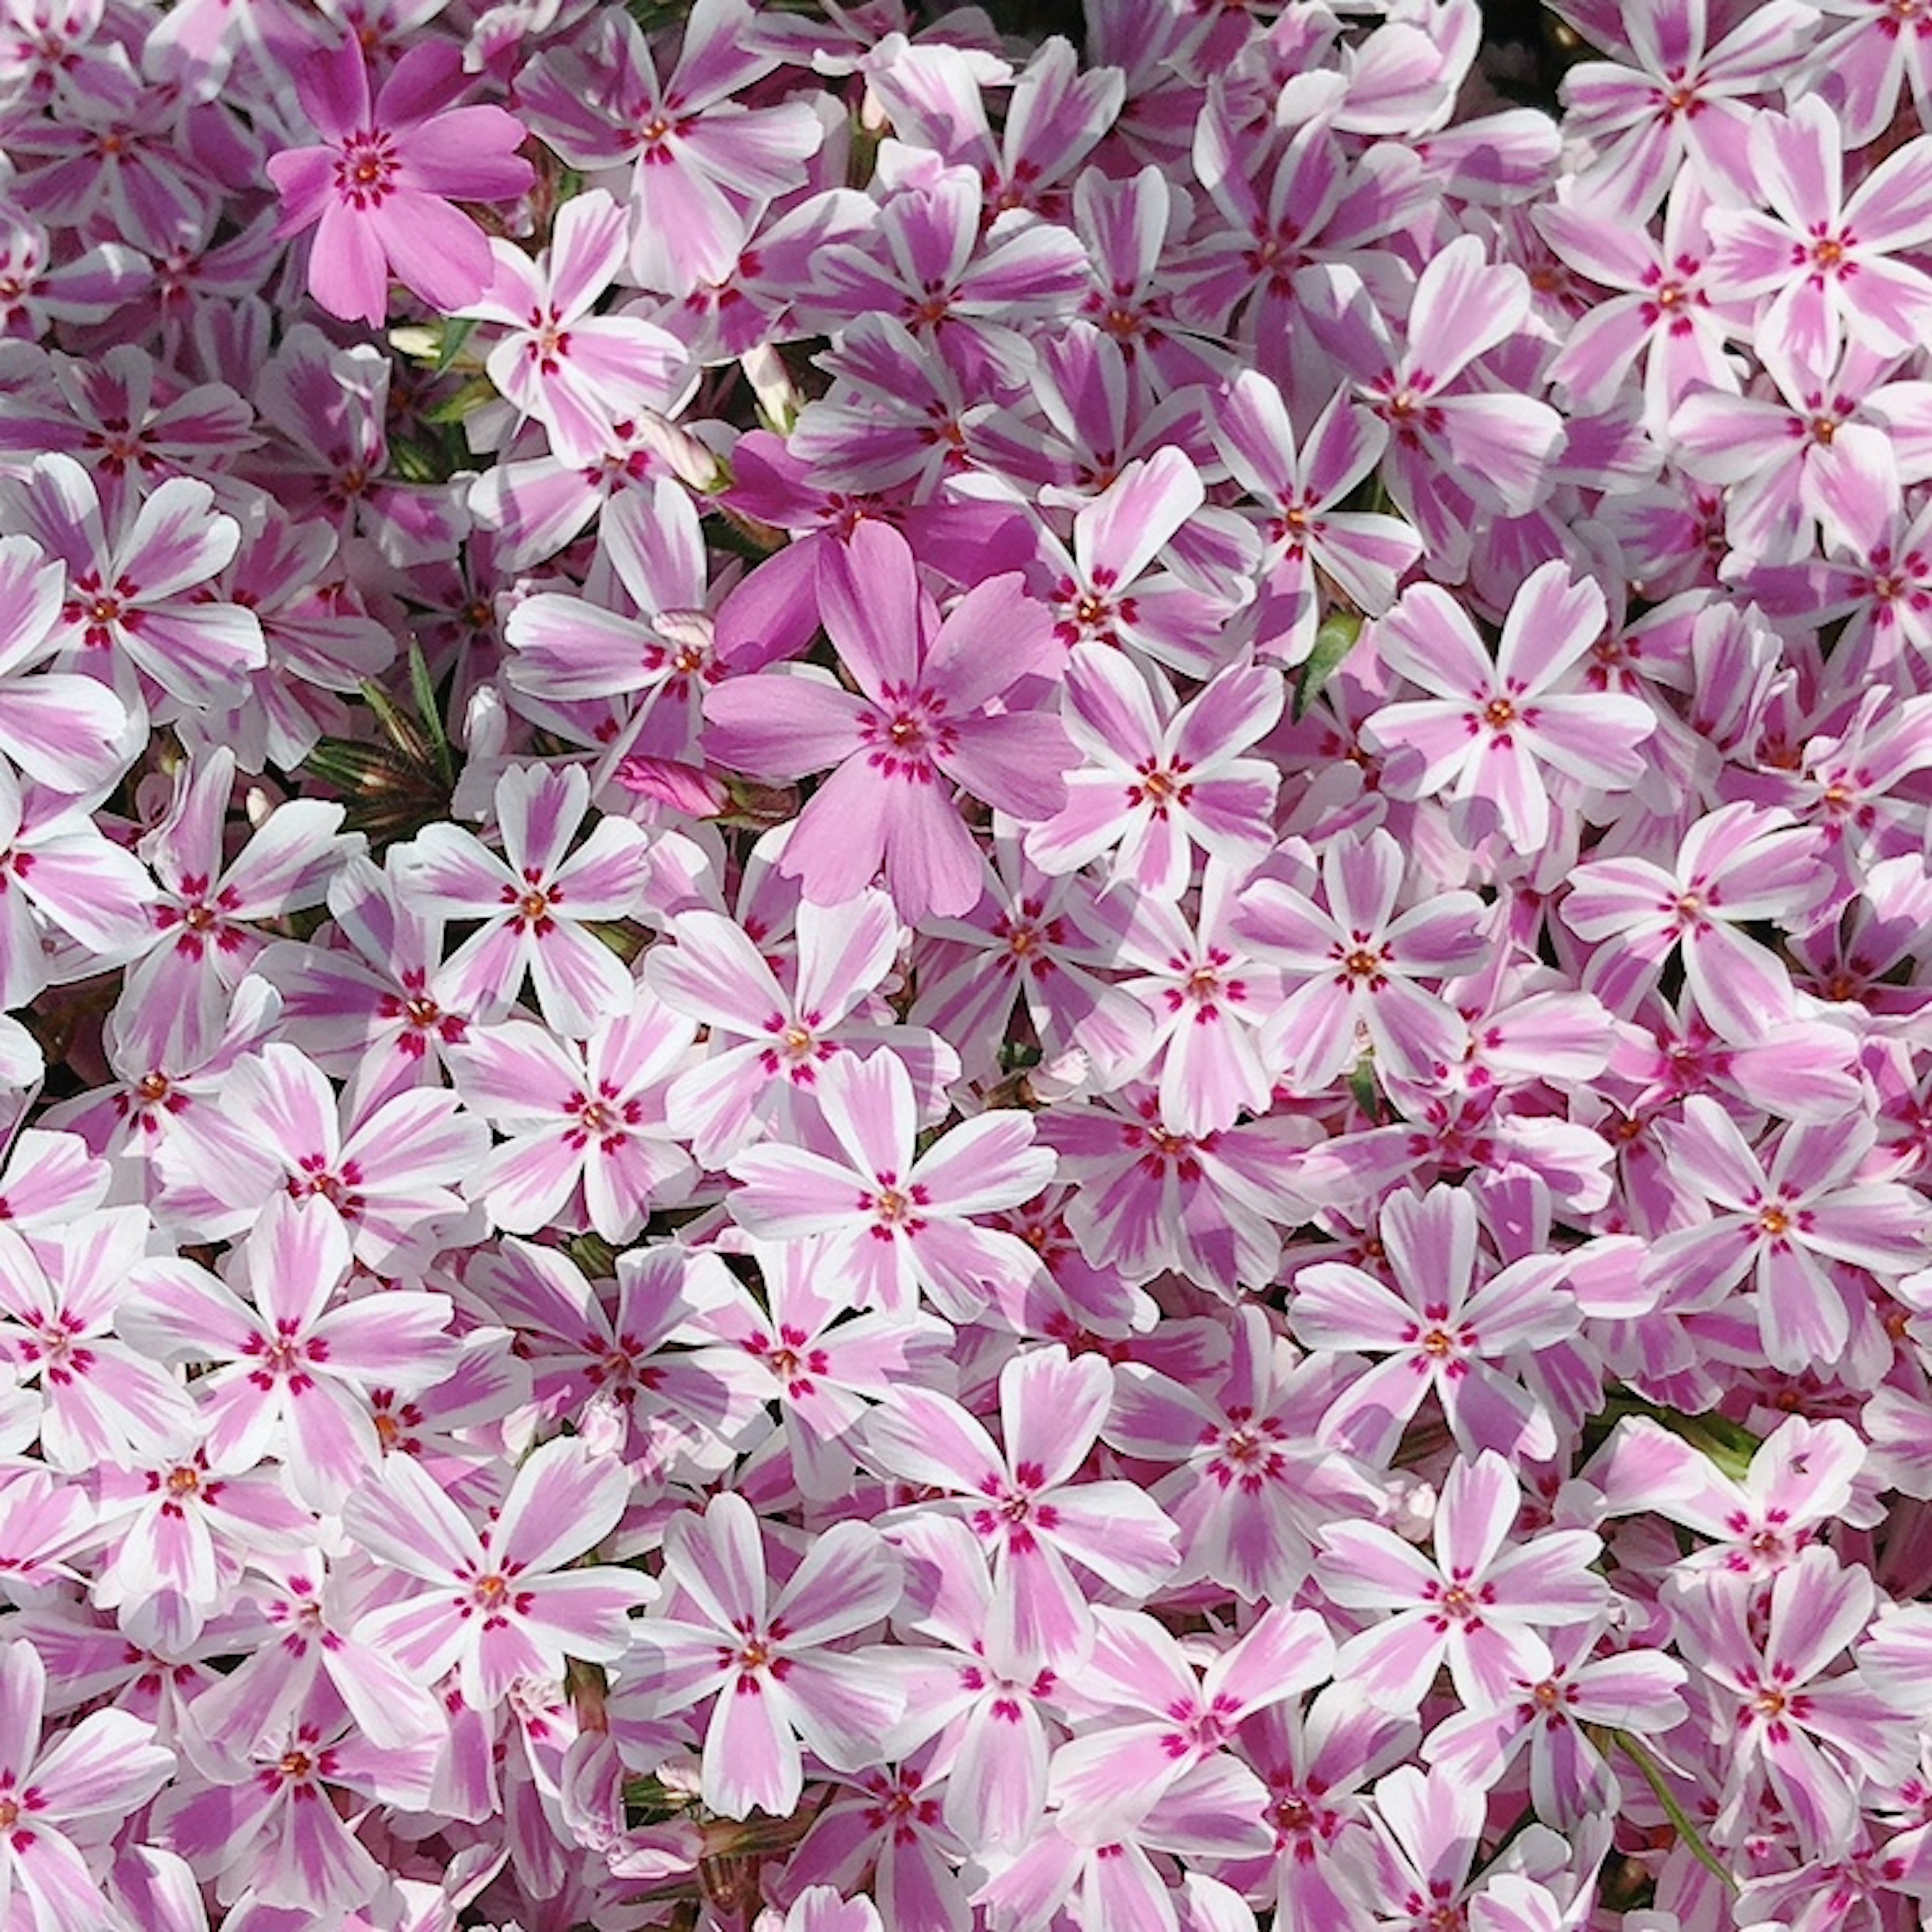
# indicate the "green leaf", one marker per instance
pixel 1680 1818
pixel 1362 1086
pixel 1333 642
pixel 593 1254
pixel 424 686
pixel 473 395
pixel 456 333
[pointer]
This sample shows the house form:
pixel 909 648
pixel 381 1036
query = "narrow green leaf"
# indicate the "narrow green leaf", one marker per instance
pixel 456 333
pixel 424 686
pixel 473 395
pixel 1362 1086
pixel 1680 1818
pixel 1333 642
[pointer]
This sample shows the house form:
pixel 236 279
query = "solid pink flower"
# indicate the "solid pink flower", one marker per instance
pixel 378 188
pixel 931 711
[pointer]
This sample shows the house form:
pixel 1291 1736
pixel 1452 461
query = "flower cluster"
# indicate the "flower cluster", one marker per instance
pixel 958 984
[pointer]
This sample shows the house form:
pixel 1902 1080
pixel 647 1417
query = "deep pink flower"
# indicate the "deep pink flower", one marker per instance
pixel 931 709
pixel 377 188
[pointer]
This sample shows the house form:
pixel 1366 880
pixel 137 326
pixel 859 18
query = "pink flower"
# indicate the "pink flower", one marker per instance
pixel 1161 778
pixel 64 729
pixel 703 164
pixel 1782 1221
pixel 1358 963
pixel 1109 1778
pixel 588 1142
pixel 781 1039
pixel 383 1169
pixel 1023 1503
pixel 509 1601
pixel 577 373
pixel 1494 730
pixel 534 900
pixel 1680 100
pixel 1436 1333
pixel 900 1223
pixel 766 1656
pixel 931 708
pixel 1777 1717
pixel 1480 1604
pixel 376 189
pixel 803 1347
pixel 1569 1780
pixel 1309 538
pixel 1250 1486
pixel 64 1312
pixel 64 1800
pixel 176 1000
pixel 1739 863
pixel 135 591
pixel 1826 258
pixel 291 1374
pixel 1802 1479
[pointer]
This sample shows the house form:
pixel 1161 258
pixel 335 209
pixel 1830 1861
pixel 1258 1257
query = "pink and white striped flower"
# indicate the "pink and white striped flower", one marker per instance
pixel 534 900
pixel 509 1601
pixel 589 1142
pixel 901 1223
pixel 292 1371
pixel 1437 1331
pixel 62 1801
pixel 1160 779
pixel 1497 730
pixel 767 1656
pixel 1480 1604
pixel 1023 1502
